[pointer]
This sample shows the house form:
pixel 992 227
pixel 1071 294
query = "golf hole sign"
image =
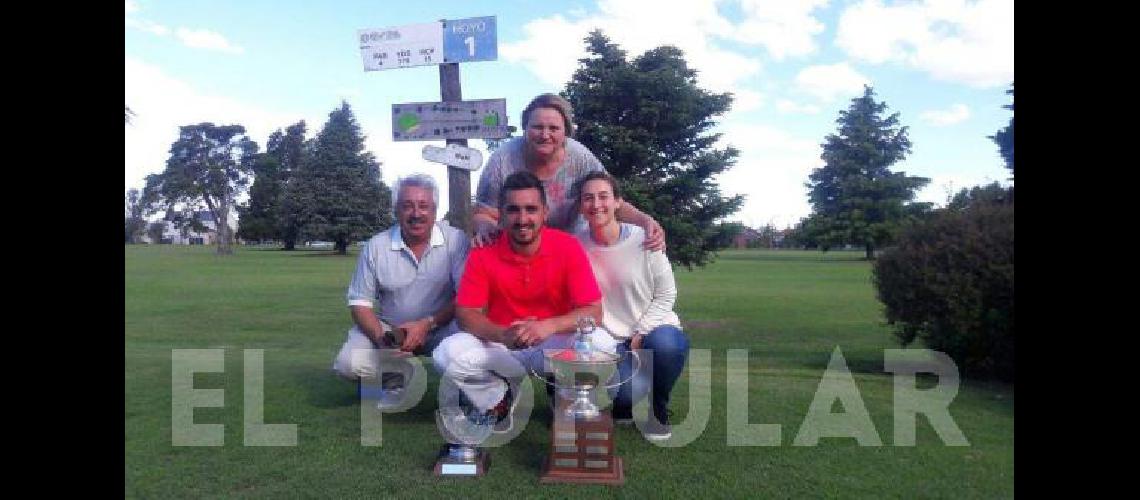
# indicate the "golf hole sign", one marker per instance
pixel 439 42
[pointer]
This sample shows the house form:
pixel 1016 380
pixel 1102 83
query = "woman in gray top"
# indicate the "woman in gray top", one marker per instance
pixel 547 150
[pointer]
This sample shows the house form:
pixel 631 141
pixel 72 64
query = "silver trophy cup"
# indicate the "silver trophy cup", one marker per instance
pixel 464 430
pixel 582 369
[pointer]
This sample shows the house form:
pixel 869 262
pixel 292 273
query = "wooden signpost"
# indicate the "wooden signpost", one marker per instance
pixel 446 43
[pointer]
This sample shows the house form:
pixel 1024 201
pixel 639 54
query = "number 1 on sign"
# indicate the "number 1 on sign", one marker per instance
pixel 470 41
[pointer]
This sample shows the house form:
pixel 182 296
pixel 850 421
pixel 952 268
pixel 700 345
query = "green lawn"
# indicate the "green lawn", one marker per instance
pixel 789 309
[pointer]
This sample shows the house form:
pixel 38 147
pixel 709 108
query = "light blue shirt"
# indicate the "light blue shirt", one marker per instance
pixel 398 287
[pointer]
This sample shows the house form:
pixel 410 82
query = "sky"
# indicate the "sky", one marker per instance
pixel 943 65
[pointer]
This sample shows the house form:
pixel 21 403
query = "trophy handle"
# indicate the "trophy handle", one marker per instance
pixel 540 377
pixel 632 373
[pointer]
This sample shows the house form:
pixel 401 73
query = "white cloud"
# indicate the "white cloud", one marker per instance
pixel 952 40
pixel 163 103
pixel 771 170
pixel 790 107
pixel 957 113
pixel 552 46
pixel 784 27
pixel 746 100
pixel 942 187
pixel 206 39
pixel 142 24
pixel 829 82
pixel 550 50
pixel 148 26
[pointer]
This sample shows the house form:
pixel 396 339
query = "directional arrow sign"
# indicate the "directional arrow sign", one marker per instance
pixel 436 121
pixel 455 155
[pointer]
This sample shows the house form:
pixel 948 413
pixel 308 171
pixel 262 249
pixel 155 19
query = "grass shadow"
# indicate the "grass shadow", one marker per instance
pixel 323 253
pixel 325 389
pixel 793 256
pixel 856 362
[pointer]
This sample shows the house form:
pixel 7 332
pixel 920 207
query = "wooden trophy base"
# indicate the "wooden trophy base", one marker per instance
pixel 446 466
pixel 582 451
pixel 613 475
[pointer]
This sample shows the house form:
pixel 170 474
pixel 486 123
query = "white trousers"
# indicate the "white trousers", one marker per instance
pixel 478 367
pixel 359 358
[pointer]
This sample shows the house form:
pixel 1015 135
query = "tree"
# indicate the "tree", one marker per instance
pixel 855 197
pixel 155 230
pixel 134 224
pixel 648 122
pixel 208 164
pixel 129 114
pixel 1004 137
pixel 265 216
pixel 949 282
pixel 989 194
pixel 337 194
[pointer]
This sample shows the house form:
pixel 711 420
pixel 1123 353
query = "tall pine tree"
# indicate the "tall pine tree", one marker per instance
pixel 337 194
pixel 266 217
pixel 1004 137
pixel 648 123
pixel 855 197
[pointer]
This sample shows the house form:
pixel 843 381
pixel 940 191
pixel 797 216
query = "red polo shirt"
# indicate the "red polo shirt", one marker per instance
pixel 552 282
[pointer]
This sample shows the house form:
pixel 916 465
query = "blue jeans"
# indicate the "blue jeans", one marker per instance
pixel 670 348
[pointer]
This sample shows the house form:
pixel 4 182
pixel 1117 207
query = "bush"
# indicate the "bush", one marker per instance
pixel 949 282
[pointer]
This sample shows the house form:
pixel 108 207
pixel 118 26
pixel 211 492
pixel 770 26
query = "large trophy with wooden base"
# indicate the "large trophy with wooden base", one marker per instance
pixel 582 435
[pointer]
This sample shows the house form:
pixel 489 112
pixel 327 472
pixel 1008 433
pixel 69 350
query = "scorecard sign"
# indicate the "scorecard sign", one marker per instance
pixel 440 42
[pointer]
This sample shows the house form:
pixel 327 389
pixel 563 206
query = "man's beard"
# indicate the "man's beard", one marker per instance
pixel 518 240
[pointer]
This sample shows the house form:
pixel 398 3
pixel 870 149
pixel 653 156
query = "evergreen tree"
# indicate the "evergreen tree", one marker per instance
pixel 264 217
pixel 855 197
pixel 648 123
pixel 337 194
pixel 1004 137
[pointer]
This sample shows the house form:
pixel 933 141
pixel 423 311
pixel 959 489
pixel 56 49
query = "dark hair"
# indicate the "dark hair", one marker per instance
pixel 522 179
pixel 576 191
pixel 555 102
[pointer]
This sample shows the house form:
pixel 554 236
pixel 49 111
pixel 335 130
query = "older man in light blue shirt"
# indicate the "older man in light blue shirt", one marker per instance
pixel 402 295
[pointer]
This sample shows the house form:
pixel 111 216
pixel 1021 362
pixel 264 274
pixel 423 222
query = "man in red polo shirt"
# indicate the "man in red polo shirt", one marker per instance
pixel 520 295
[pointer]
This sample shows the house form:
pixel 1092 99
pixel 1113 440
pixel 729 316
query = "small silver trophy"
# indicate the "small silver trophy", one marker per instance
pixel 464 430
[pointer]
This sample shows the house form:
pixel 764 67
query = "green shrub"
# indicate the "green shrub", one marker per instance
pixel 949 282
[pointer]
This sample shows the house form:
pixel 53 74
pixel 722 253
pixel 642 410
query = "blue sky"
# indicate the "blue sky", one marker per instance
pixel 944 66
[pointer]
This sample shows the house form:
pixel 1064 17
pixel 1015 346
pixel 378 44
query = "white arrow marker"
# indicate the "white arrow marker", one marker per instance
pixel 455 155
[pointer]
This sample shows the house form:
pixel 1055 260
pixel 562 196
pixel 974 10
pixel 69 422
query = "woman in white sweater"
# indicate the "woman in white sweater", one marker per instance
pixel 638 291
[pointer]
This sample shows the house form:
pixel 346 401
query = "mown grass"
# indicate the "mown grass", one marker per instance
pixel 788 309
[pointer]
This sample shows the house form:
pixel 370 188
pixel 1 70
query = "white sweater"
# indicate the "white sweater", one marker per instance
pixel 638 289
